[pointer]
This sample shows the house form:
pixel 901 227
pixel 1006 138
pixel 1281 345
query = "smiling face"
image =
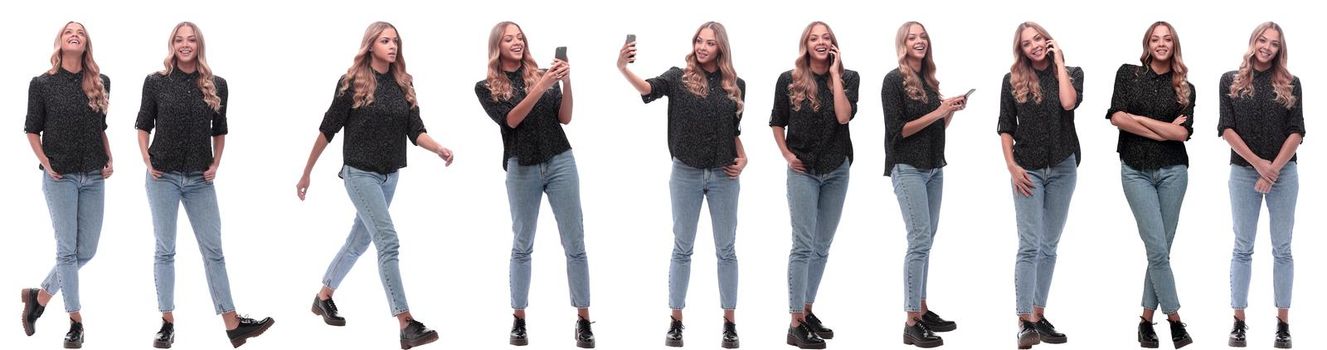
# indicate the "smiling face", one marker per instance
pixel 1267 46
pixel 385 45
pixel 185 44
pixel 1161 43
pixel 819 42
pixel 918 42
pixel 73 39
pixel 1033 44
pixel 512 46
pixel 705 46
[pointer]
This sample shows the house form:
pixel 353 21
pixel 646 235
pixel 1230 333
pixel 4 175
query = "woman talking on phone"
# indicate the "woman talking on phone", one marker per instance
pixel 530 107
pixel 814 102
pixel 704 114
pixel 376 105
pixel 1040 144
pixel 1153 108
pixel 916 117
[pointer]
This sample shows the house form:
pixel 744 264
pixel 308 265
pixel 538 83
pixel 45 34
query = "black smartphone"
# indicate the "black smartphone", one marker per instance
pixel 631 38
pixel 969 94
pixel 831 58
pixel 561 53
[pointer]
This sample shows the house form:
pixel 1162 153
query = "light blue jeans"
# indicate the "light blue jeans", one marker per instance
pixel 1155 197
pixel 1041 218
pixel 76 203
pixel 815 203
pixel 526 186
pixel 689 187
pixel 919 192
pixel 164 196
pixel 371 193
pixel 1245 203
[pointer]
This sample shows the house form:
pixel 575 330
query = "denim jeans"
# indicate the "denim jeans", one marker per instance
pixel 1155 197
pixel 815 203
pixel 164 196
pixel 1245 203
pixel 526 186
pixel 919 192
pixel 689 187
pixel 1041 218
pixel 76 203
pixel 371 193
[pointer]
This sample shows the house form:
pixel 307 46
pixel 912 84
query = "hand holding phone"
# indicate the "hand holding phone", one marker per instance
pixel 631 38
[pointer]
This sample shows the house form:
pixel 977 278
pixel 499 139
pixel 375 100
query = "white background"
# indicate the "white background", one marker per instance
pixel 282 58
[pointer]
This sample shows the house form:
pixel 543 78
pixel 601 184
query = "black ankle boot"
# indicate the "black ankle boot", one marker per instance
pixel 674 336
pixel 1046 331
pixel 584 336
pixel 804 338
pixel 1027 335
pixel 416 334
pixel 1282 334
pixel 1147 335
pixel 918 334
pixel 1237 334
pixel 327 309
pixel 74 339
pixel 31 310
pixel 934 323
pixel 248 328
pixel 165 337
pixel 518 335
pixel 1178 334
pixel 730 340
pixel 816 326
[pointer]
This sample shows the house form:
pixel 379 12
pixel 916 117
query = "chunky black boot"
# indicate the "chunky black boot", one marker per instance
pixel 804 338
pixel 920 335
pixel 1147 335
pixel 674 336
pixel 518 335
pixel 1178 334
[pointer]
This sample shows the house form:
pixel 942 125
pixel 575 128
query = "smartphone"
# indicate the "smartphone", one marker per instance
pixel 831 58
pixel 561 53
pixel 631 38
pixel 965 96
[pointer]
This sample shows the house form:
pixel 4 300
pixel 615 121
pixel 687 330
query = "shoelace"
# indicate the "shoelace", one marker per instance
pixel 331 305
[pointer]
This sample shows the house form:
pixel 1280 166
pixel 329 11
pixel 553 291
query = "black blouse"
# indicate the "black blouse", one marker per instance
pixel 701 129
pixel 815 136
pixel 1259 120
pixel 1044 133
pixel 376 133
pixel 185 123
pixel 1141 91
pixel 539 136
pixel 70 130
pixel 922 150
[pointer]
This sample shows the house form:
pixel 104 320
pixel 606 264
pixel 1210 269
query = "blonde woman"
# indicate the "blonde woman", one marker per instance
pixel 530 108
pixel 916 117
pixel 66 125
pixel 704 114
pixel 376 105
pixel 1262 118
pixel 1153 107
pixel 813 103
pixel 186 105
pixel 1040 144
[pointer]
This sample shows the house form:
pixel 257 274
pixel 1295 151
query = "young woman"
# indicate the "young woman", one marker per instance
pixel 916 117
pixel 186 104
pixel 704 110
pixel 813 102
pixel 1262 118
pixel 66 125
pixel 375 103
pixel 538 160
pixel 1153 108
pixel 1036 127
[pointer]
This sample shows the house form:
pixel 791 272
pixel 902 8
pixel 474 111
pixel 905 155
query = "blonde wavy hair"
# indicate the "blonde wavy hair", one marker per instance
pixel 803 86
pixel 912 84
pixel 1179 73
pixel 98 97
pixel 694 77
pixel 361 75
pixel 496 80
pixel 205 81
pixel 1281 78
pixel 1022 76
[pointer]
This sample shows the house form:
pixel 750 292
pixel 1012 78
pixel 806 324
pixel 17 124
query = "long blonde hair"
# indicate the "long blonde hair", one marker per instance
pixel 497 81
pixel 912 84
pixel 1281 78
pixel 1179 73
pixel 98 97
pixel 693 76
pixel 361 74
pixel 1021 75
pixel 205 81
pixel 803 86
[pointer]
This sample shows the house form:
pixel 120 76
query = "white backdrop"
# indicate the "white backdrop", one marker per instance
pixel 281 59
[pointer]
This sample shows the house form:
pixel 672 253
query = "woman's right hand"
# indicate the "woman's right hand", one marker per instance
pixel 54 175
pixel 1266 170
pixel 1022 183
pixel 302 187
pixel 794 163
pixel 627 55
pixel 551 76
pixel 150 170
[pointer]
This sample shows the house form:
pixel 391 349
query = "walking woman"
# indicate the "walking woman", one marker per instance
pixel 1036 127
pixel 704 110
pixel 1153 108
pixel 375 103
pixel 1262 118
pixel 813 102
pixel 538 161
pixel 186 104
pixel 66 125
pixel 916 117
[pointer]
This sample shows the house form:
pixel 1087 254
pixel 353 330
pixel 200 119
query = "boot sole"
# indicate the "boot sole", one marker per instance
pixel 673 343
pixel 429 337
pixel 27 301
pixel 236 342
pixel 793 341
pixel 162 344
pixel 1028 341
pixel 1237 343
pixel 1054 340
pixel 328 320
pixel 1149 344
pixel 730 345
pixel 1280 345
pixel 922 343
pixel 519 341
pixel 73 345
pixel 585 344
pixel 1182 343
